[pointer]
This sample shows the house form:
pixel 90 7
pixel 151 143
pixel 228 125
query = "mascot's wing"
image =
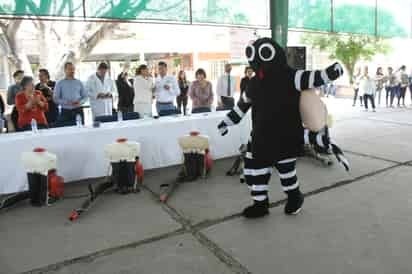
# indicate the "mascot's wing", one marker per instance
pixel 322 143
pixel 306 79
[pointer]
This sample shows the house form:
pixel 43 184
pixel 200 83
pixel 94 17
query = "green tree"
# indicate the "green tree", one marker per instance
pixel 349 49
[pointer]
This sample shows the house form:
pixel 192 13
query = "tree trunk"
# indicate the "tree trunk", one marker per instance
pixel 350 68
pixel 79 50
pixel 44 30
pixel 67 56
pixel 17 56
pixel 24 62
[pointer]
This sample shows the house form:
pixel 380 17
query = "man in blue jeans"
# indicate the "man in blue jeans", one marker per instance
pixel 166 91
pixel 392 87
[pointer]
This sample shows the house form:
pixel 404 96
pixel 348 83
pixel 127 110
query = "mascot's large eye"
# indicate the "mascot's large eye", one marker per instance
pixel 267 52
pixel 250 53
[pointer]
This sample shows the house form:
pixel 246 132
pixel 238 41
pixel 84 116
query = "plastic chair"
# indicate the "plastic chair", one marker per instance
pixel 60 123
pixel 201 110
pixel 169 112
pixel 113 118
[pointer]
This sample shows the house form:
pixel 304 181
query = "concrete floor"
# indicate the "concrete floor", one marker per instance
pixel 357 222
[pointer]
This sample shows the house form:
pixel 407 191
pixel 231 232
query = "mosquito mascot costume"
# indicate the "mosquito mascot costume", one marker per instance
pixel 277 127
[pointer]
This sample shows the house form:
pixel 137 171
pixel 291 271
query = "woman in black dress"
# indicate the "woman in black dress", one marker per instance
pixel 182 99
pixel 245 80
pixel 126 93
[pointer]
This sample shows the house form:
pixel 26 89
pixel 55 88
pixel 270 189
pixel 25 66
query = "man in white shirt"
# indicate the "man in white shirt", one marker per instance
pixel 226 86
pixel 166 90
pixel 102 90
pixel 367 87
pixel 143 90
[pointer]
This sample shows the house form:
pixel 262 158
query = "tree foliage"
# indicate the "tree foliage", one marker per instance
pixel 219 11
pixel 67 8
pixel 75 41
pixel 352 18
pixel 349 49
pixel 313 15
pixel 119 9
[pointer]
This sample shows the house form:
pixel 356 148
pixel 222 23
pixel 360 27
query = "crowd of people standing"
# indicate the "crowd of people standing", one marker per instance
pixel 55 104
pixel 61 103
pixel 392 85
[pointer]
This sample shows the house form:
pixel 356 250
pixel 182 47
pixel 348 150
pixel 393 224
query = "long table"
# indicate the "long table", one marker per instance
pixel 80 151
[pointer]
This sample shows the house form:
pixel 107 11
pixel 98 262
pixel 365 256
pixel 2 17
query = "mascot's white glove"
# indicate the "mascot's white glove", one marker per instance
pixel 223 128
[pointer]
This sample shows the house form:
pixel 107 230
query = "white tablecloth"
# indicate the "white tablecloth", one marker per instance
pixel 80 151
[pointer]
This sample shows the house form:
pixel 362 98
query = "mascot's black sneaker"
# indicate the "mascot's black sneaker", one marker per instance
pixel 257 210
pixel 295 201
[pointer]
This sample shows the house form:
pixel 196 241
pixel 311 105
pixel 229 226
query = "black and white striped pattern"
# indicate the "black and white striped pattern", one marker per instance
pixel 323 144
pixel 239 111
pixel 308 79
pixel 235 115
pixel 287 174
pixel 320 140
pixel 305 79
pixel 257 176
pixel 222 127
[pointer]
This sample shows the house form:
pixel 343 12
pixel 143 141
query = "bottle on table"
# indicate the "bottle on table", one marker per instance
pixel 78 120
pixel 119 116
pixel 34 127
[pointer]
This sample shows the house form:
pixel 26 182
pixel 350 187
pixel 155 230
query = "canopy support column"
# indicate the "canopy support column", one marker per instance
pixel 279 11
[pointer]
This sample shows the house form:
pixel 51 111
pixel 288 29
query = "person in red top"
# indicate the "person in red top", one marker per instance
pixel 31 104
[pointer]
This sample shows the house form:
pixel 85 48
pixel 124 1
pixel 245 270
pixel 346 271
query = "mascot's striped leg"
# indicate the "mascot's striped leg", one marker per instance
pixel 257 175
pixel 290 185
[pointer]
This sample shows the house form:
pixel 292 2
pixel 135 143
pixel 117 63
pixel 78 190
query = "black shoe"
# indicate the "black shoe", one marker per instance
pixel 257 210
pixel 294 204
